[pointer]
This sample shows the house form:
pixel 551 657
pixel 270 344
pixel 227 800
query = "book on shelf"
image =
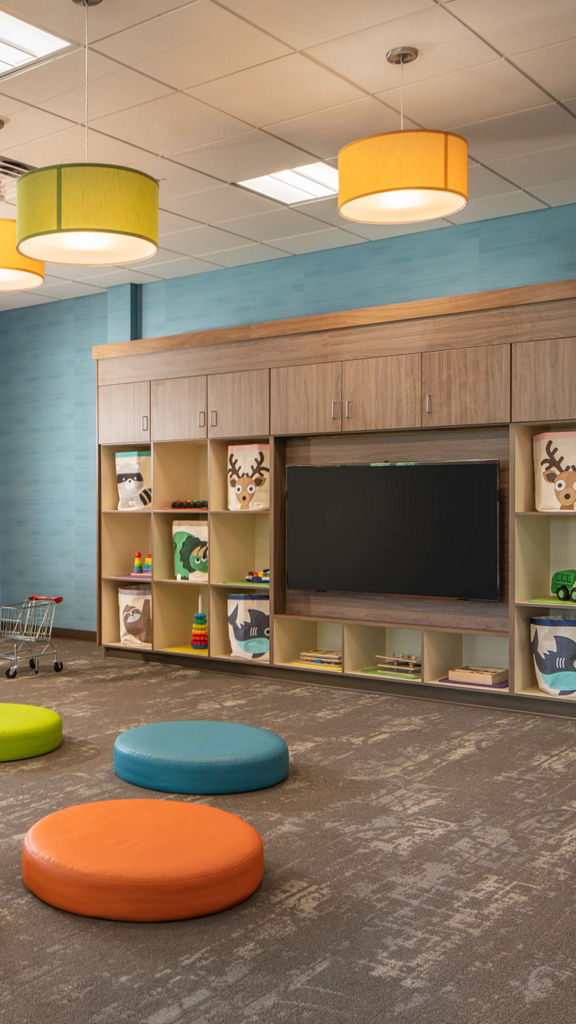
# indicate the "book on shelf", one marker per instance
pixel 479 674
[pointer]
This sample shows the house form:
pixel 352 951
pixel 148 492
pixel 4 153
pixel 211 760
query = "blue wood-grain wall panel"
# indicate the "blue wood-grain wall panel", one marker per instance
pixel 48 379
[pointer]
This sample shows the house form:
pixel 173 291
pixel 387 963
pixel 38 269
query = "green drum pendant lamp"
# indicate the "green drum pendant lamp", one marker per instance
pixel 87 214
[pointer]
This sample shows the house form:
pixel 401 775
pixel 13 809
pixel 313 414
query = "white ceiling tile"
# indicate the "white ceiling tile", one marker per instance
pixel 69 146
pixel 68 20
pixel 316 241
pixel 558 194
pixel 169 125
pixel 552 67
pixel 526 132
pixel 193 45
pixel 204 240
pixel 371 233
pixel 175 179
pixel 13 300
pixel 543 168
pixel 517 25
pixel 483 182
pixel 448 101
pixel 287 87
pixel 68 289
pixel 220 204
pixel 279 223
pixel 443 45
pixel 247 254
pixel 27 124
pixel 246 156
pixel 186 265
pixel 326 131
pixel 302 23
pixel 169 222
pixel 122 275
pixel 118 90
pixel 497 206
pixel 39 85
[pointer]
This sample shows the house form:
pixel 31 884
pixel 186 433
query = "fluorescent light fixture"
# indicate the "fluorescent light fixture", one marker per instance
pixel 297 184
pixel 22 43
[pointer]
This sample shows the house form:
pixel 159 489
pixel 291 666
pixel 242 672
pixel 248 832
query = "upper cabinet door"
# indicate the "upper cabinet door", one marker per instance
pixel 124 412
pixel 178 408
pixel 544 380
pixel 466 385
pixel 239 404
pixel 382 393
pixel 306 399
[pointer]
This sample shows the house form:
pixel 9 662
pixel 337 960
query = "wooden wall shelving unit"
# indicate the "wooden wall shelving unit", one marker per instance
pixel 450 379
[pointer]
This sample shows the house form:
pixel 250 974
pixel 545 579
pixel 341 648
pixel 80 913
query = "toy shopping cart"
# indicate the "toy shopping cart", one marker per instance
pixel 25 632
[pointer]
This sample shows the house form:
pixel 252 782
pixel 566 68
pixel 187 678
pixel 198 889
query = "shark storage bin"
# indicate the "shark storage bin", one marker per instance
pixel 249 626
pixel 554 650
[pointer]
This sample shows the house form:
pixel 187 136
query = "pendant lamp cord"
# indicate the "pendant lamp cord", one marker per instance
pixel 85 81
pixel 401 95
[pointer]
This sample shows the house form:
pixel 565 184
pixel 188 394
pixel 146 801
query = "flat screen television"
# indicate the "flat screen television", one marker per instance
pixel 412 529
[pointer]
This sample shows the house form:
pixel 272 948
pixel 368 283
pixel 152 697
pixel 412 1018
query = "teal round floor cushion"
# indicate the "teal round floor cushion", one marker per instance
pixel 200 757
pixel 27 731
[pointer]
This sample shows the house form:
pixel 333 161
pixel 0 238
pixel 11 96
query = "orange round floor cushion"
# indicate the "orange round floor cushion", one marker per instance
pixel 142 860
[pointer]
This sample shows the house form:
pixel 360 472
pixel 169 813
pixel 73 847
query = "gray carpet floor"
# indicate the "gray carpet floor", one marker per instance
pixel 420 862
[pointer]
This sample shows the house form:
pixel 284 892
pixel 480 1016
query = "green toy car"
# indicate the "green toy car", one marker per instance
pixel 563 585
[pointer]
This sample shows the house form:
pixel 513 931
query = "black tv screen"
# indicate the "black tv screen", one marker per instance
pixel 419 529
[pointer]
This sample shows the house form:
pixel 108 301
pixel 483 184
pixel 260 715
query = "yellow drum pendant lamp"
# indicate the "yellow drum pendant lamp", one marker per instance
pixel 17 272
pixel 403 177
pixel 87 214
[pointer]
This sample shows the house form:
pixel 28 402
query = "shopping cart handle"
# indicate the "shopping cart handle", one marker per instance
pixel 43 597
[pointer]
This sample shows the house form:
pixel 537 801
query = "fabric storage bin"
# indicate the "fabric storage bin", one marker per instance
pixel 249 626
pixel 553 644
pixel 135 606
pixel 190 542
pixel 133 479
pixel 555 470
pixel 248 476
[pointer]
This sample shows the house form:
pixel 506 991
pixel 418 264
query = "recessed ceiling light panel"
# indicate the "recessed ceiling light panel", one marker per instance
pixel 22 43
pixel 296 184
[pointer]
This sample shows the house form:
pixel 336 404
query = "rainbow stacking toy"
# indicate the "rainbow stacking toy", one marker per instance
pixel 199 640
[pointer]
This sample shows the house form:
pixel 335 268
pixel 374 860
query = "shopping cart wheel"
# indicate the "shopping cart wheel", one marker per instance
pixel 34 664
pixel 58 666
pixel 11 672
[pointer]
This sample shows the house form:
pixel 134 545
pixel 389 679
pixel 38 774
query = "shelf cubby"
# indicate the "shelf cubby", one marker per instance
pixel 108 485
pixel 220 646
pixel 239 542
pixel 442 651
pixel 122 534
pixel 163 557
pixel 180 472
pixel 544 543
pixel 175 607
pixel 110 612
pixel 219 472
pixel 293 635
pixel 362 644
pixel 525 682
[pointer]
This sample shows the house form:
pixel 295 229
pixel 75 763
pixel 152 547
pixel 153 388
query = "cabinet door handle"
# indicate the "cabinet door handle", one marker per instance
pixel 202 418
pixel 333 414
pixel 348 404
pixel 145 423
pixel 428 403
pixel 213 417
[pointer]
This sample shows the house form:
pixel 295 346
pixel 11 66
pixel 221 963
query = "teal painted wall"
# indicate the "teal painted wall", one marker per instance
pixel 48 379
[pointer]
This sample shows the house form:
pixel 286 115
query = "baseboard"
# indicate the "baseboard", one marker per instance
pixel 74 634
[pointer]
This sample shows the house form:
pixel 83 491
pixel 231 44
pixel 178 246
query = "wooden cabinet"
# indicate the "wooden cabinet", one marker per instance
pixel 358 394
pixel 124 412
pixel 306 399
pixel 239 404
pixel 178 408
pixel 381 394
pixel 544 380
pixel 466 385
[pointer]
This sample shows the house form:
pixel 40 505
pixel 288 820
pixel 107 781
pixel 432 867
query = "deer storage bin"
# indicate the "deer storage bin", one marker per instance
pixel 555 471
pixel 249 626
pixel 248 477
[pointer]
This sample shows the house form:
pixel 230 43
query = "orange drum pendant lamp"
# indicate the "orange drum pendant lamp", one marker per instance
pixel 403 177
pixel 85 213
pixel 17 272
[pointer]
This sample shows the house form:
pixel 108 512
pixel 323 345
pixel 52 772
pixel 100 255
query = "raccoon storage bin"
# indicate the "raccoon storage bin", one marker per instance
pixel 554 650
pixel 555 471
pixel 249 626
pixel 142 860
pixel 134 605
pixel 199 756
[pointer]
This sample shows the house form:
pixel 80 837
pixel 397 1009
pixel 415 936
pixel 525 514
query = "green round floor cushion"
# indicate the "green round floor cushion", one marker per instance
pixel 27 731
